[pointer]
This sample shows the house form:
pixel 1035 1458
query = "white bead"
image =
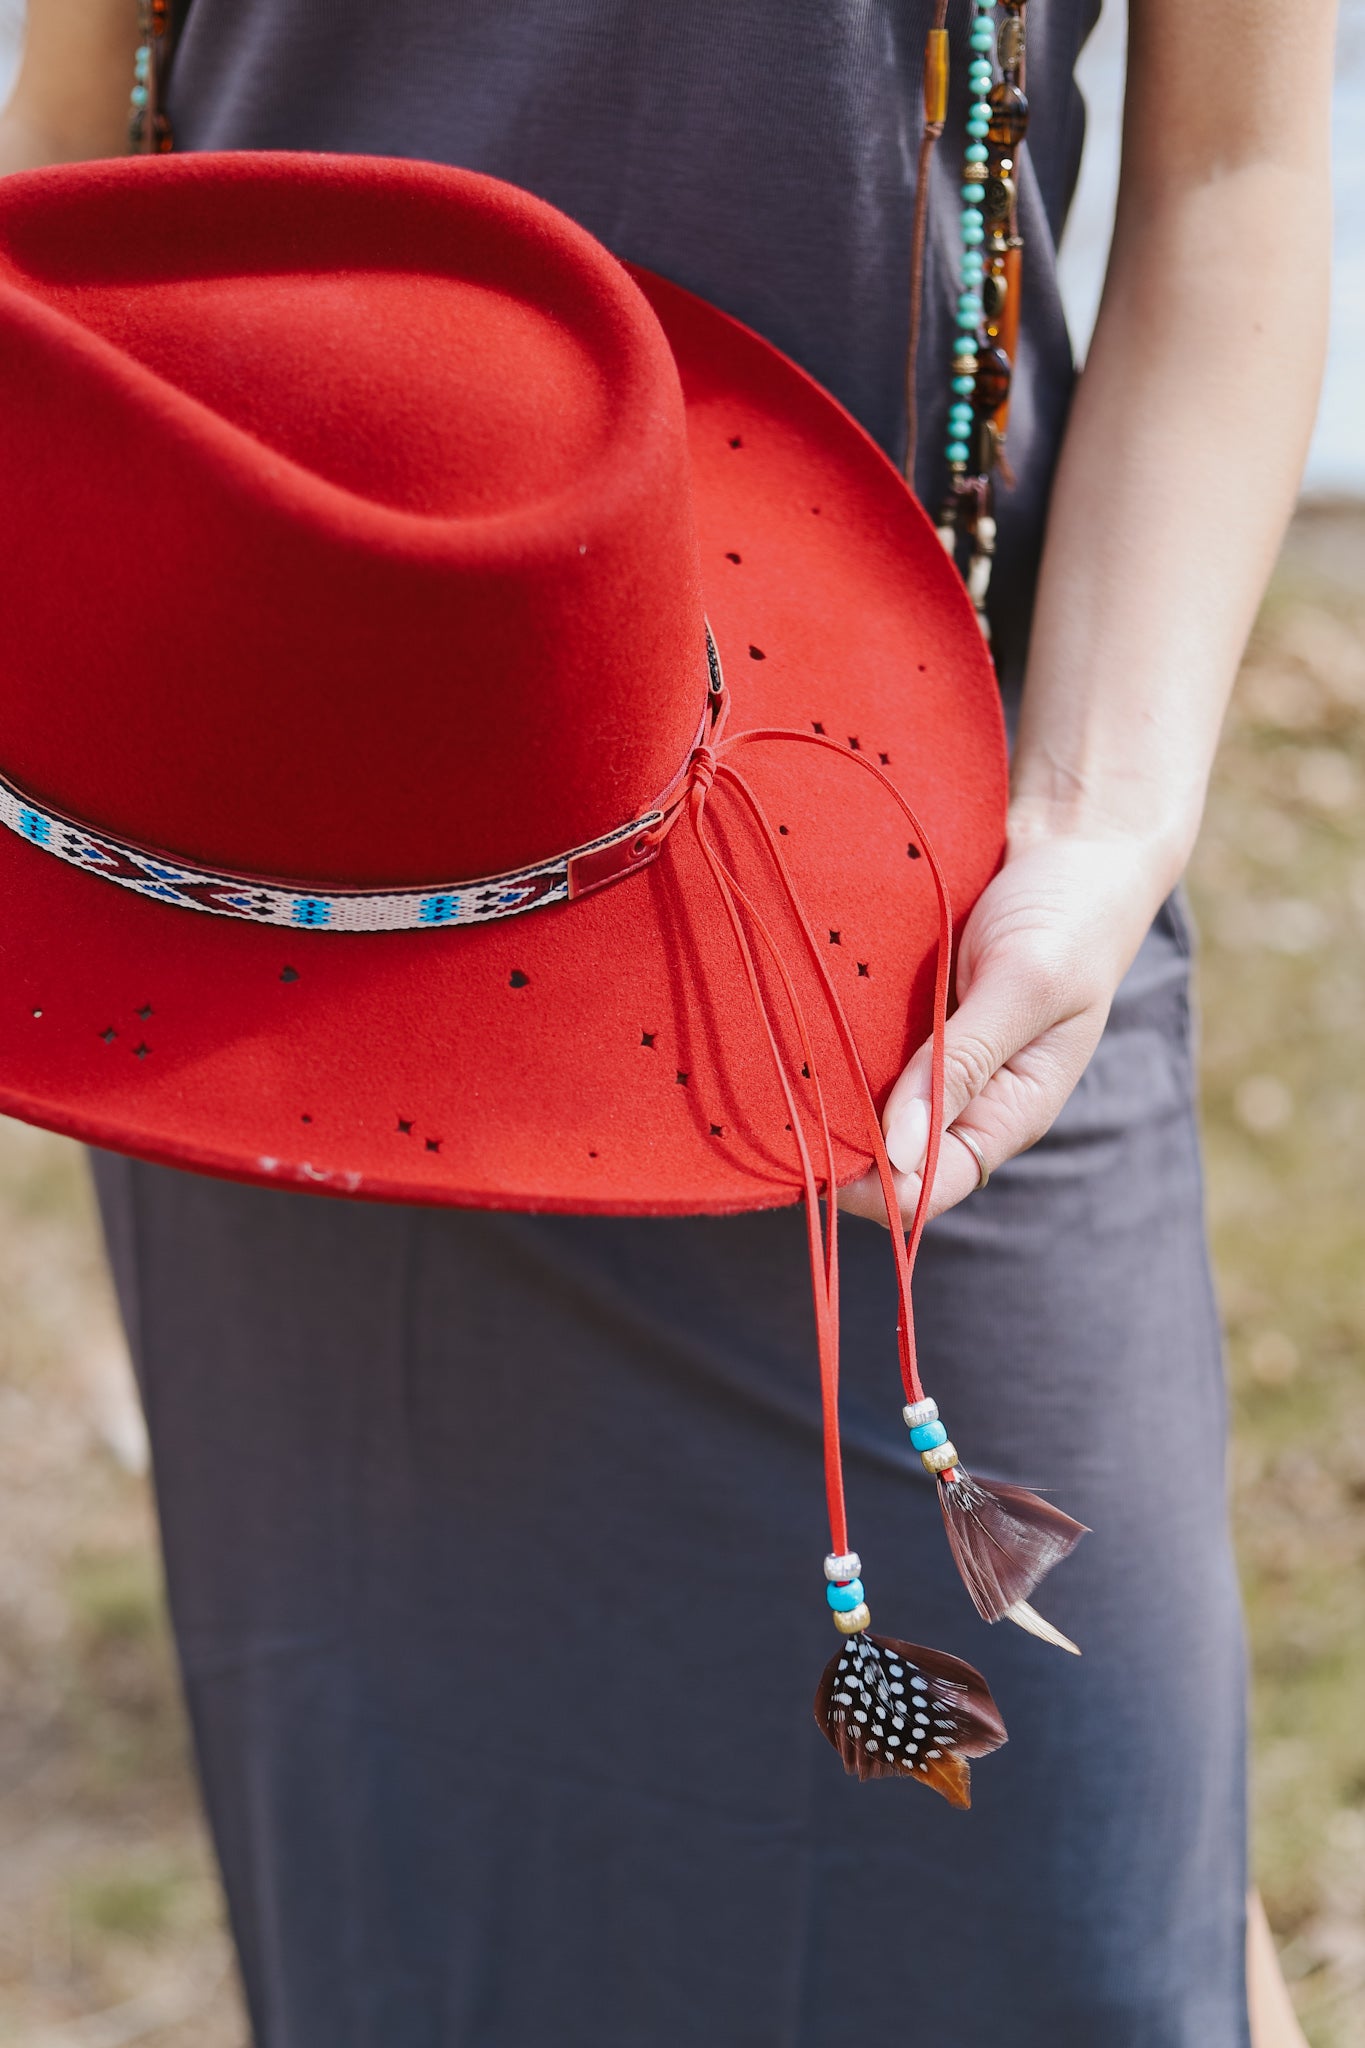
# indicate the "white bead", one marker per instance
pixel 840 1569
pixel 919 1412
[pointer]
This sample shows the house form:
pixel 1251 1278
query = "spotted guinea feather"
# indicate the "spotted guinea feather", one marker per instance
pixel 896 1710
pixel 1004 1539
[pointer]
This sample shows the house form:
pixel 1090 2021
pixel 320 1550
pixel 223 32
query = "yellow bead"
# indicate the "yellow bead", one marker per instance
pixel 855 1621
pixel 936 76
pixel 941 1459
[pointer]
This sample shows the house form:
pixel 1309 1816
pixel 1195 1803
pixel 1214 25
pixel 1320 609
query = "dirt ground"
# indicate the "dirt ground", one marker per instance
pixel 110 1927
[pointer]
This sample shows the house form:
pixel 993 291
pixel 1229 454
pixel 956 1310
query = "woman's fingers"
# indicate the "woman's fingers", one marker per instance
pixel 1041 955
pixel 1016 999
pixel 864 1197
pixel 1018 1104
pixel 1013 1051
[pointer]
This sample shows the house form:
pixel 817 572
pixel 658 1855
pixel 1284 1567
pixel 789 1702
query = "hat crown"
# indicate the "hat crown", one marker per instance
pixel 349 507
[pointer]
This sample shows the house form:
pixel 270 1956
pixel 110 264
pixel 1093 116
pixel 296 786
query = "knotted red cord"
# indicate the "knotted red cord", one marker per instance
pixel 710 766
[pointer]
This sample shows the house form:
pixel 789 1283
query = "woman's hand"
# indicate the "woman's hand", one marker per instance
pixel 1040 958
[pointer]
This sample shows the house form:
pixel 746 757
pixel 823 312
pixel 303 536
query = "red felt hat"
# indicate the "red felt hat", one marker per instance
pixel 362 522
pixel 480 727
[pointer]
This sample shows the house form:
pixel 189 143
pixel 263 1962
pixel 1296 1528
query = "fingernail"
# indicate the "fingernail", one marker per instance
pixel 907 1135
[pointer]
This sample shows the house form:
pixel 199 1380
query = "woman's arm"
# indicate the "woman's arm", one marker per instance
pixel 1179 470
pixel 70 98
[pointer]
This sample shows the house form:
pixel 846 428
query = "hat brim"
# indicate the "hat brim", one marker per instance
pixel 602 1056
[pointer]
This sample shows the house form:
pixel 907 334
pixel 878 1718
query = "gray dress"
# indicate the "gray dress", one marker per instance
pixel 490 1538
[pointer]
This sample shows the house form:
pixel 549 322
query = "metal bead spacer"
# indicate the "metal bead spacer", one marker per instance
pixel 838 1570
pixel 855 1621
pixel 920 1411
pixel 941 1459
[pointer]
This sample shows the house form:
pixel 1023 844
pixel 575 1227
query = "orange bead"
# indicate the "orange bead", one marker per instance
pixel 936 76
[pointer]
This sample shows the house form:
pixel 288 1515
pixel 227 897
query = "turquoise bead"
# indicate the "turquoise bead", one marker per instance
pixel 928 1436
pixel 964 386
pixel 972 217
pixel 142 62
pixel 977 153
pixel 978 130
pixel 843 1599
pixel 972 268
pixel 969 312
pixel 139 95
pixel 972 235
pixel 965 345
pixel 982 78
pixel 981 110
pixel 957 451
pixel 983 36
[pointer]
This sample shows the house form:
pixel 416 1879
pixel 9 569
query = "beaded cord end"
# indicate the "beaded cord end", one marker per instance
pixel 896 1710
pixel 844 1593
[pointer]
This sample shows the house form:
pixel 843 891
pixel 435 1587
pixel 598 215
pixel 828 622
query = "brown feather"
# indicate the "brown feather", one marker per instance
pixel 951 1775
pixel 897 1710
pixel 1004 1539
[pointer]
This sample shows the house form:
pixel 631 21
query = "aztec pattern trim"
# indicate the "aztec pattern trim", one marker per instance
pixel 165 878
pixel 339 910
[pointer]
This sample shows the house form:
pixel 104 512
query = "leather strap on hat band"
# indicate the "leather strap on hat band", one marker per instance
pixel 165 878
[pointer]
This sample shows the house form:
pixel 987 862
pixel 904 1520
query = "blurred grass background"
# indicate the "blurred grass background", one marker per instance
pixel 110 1929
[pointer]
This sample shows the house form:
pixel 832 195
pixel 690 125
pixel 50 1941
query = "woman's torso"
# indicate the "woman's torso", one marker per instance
pixel 762 154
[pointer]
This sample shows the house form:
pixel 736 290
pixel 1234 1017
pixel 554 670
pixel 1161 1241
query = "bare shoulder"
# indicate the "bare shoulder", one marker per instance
pixel 70 98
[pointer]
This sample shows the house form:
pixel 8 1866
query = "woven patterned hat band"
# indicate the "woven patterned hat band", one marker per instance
pixel 165 878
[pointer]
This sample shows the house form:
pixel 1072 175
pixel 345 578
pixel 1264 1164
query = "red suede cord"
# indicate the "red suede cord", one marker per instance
pixel 823 1241
pixel 710 766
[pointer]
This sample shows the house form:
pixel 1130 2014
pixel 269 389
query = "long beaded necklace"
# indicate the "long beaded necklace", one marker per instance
pixel 149 132
pixel 988 305
pixel 989 278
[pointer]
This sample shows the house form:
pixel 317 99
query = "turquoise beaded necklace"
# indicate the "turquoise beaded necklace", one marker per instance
pixel 989 281
pixel 149 131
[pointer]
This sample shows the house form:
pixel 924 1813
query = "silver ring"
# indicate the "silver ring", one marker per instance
pixel 966 1138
